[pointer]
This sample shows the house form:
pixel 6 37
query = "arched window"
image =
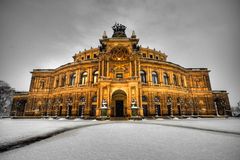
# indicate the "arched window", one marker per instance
pixel 72 79
pixel 175 80
pixel 182 81
pixel 165 79
pixel 84 78
pixel 156 99
pixel 63 80
pixel 95 77
pixel 178 101
pixel 57 81
pixel 154 77
pixel 82 99
pixel 144 98
pixel 94 99
pixel 143 76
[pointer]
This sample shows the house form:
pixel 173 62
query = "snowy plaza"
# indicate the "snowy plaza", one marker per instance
pixel 146 139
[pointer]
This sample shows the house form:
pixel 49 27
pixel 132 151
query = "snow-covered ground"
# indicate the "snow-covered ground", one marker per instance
pixel 219 124
pixel 19 129
pixel 13 130
pixel 125 140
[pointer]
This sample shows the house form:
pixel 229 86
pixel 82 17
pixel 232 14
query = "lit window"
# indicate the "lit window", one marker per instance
pixel 94 99
pixel 165 79
pixel 72 79
pixel 63 81
pixel 57 82
pixel 143 76
pixel 95 77
pixel 175 80
pixel 144 98
pixel 119 75
pixel 84 78
pixel 154 78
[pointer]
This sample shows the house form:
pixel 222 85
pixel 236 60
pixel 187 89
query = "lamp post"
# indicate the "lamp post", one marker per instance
pixel 18 104
pixel 169 103
pixel 83 101
pixel 196 104
pixel 223 104
pixel 216 109
pixel 181 106
pixel 48 105
pixel 191 104
pixel 56 108
pixel 157 102
pixel 68 104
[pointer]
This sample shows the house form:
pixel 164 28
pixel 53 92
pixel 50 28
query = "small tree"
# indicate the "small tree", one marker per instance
pixel 6 94
pixel 236 110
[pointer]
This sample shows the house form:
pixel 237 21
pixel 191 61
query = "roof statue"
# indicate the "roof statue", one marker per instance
pixel 119 31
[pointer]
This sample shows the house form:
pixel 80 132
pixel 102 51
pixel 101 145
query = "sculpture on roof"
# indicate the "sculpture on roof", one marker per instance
pixel 119 31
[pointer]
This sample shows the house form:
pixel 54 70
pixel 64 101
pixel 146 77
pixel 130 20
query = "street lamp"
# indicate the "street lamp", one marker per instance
pixel 157 102
pixel 48 105
pixel 69 102
pixel 181 106
pixel 216 109
pixel 169 103
pixel 56 107
pixel 191 104
pixel 18 104
pixel 83 101
pixel 223 104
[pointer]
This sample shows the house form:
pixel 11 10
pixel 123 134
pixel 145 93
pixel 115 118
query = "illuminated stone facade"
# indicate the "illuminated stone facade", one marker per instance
pixel 121 79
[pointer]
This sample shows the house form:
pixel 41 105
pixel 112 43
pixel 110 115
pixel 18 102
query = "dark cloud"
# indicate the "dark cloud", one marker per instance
pixel 193 33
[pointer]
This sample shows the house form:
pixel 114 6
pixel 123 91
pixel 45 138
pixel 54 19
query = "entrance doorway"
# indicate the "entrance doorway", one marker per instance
pixel 169 110
pixel 80 109
pixel 145 110
pixel 93 111
pixel 158 110
pixel 119 103
pixel 179 110
pixel 119 108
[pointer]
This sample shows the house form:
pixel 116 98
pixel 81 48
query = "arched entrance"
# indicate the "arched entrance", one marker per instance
pixel 119 104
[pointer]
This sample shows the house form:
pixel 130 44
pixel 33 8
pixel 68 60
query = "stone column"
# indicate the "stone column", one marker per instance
pixel 103 68
pixel 130 68
pixel 90 75
pixel 77 77
pixel 99 69
pixel 107 68
pixel 139 68
pixel 135 68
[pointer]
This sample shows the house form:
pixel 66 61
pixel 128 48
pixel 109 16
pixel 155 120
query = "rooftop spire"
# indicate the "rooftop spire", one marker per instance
pixel 133 34
pixel 104 34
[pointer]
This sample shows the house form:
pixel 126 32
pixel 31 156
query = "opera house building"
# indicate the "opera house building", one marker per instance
pixel 120 78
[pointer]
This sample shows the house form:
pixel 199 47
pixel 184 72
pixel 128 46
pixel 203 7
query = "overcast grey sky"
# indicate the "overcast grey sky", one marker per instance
pixel 193 33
